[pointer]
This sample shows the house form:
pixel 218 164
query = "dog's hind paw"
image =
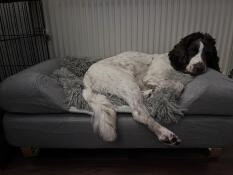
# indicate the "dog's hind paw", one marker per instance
pixel 109 136
pixel 169 137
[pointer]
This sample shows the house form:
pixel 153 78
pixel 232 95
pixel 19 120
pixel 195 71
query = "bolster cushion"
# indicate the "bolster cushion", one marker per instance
pixel 209 93
pixel 33 91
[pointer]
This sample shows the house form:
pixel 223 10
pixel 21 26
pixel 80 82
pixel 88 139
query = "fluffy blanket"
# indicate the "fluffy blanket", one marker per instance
pixel 162 104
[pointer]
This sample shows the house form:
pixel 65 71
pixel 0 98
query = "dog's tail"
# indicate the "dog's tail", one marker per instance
pixel 104 115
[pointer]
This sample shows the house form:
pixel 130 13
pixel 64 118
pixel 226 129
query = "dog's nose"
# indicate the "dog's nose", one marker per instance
pixel 198 68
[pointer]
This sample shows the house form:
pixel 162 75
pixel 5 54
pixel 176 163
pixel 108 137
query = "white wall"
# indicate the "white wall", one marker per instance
pixel 102 28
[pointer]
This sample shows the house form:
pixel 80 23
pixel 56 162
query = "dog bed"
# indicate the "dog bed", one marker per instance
pixel 34 91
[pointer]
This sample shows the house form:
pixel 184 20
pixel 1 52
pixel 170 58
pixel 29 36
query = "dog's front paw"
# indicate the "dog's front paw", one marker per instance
pixel 147 93
pixel 169 137
pixel 179 87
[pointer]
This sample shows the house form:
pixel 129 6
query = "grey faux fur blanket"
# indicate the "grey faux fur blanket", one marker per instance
pixel 162 104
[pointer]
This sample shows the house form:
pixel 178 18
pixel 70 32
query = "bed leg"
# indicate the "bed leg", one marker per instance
pixel 215 152
pixel 30 151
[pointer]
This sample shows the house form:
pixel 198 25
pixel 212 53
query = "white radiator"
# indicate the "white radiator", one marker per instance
pixel 101 28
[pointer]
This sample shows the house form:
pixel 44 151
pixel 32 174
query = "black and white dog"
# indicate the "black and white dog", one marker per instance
pixel 130 75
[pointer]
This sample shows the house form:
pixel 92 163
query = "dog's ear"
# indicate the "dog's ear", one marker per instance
pixel 209 39
pixel 210 52
pixel 177 57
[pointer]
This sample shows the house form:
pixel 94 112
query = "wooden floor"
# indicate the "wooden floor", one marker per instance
pixel 112 162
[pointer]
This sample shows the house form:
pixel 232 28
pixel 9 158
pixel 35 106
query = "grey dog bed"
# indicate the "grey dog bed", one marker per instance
pixel 34 91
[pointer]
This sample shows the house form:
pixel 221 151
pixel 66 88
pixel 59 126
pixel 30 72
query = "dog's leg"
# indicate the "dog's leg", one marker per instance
pixel 141 115
pixel 178 87
pixel 130 92
pixel 104 114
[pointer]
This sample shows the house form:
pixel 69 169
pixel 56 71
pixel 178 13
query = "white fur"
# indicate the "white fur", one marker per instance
pixel 127 75
pixel 196 59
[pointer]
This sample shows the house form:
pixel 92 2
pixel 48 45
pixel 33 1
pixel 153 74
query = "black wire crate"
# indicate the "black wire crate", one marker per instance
pixel 23 39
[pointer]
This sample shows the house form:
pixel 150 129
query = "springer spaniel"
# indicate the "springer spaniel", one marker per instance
pixel 130 75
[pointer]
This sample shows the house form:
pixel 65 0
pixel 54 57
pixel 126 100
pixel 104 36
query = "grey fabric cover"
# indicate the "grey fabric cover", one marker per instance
pixel 210 93
pixel 75 131
pixel 33 91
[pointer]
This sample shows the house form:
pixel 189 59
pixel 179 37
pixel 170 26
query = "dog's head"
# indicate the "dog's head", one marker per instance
pixel 194 53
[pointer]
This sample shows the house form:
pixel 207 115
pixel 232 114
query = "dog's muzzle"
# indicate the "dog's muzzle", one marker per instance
pixel 196 69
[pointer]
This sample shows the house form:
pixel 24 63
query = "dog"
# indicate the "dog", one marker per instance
pixel 130 75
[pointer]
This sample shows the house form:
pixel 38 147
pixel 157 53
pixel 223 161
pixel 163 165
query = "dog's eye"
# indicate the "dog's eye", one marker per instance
pixel 194 49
